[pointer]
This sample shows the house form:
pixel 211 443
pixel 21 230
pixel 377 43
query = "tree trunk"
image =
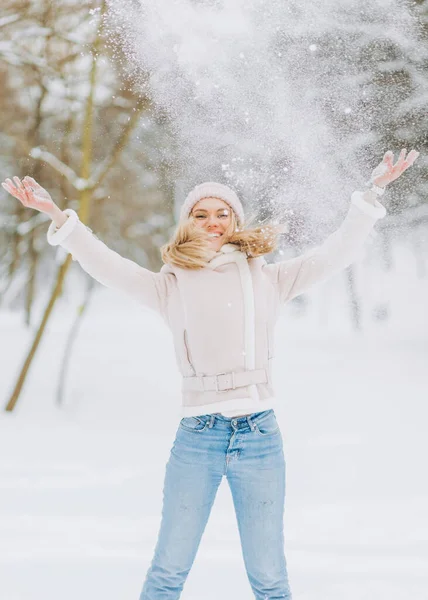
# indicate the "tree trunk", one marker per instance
pixel 83 213
pixel 31 281
pixel 27 363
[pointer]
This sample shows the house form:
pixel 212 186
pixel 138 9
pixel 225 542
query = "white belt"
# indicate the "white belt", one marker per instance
pixel 224 381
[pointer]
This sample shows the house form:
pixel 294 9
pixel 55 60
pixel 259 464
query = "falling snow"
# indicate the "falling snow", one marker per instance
pixel 252 84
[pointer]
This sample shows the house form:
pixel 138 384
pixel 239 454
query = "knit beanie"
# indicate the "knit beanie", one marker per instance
pixel 210 189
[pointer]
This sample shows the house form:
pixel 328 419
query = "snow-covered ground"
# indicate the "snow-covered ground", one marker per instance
pixel 81 485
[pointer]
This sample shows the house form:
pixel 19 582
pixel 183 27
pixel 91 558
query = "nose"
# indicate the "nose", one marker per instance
pixel 212 220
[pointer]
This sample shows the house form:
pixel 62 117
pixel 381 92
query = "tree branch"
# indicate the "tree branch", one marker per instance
pixel 105 167
pixel 77 182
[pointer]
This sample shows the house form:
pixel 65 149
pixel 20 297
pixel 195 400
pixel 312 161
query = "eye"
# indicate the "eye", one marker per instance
pixel 200 217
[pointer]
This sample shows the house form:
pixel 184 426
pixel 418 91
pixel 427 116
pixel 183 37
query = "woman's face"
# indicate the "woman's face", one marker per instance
pixel 213 215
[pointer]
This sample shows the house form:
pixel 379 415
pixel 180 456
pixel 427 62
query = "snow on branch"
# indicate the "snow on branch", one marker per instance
pixel 10 224
pixel 19 57
pixel 9 19
pixel 25 227
pixel 32 30
pixel 77 182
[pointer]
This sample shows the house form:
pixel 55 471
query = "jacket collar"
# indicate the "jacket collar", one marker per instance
pixel 228 253
pixel 228 248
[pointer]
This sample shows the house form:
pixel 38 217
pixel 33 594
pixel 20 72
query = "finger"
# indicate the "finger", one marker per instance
pixel 21 186
pixel 13 191
pixel 23 193
pixel 388 159
pixel 411 157
pixel 401 157
pixel 18 183
pixel 10 187
pixel 27 186
pixel 35 187
pixel 400 165
pixel 32 181
pixel 406 165
pixel 28 192
pixel 10 183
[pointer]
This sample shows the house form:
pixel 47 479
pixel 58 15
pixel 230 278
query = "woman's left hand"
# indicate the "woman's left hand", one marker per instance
pixel 386 171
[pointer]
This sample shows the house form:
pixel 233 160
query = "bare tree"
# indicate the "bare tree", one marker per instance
pixel 92 173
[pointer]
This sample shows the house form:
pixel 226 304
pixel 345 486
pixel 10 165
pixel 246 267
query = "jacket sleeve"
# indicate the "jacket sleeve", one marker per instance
pixel 107 266
pixel 295 276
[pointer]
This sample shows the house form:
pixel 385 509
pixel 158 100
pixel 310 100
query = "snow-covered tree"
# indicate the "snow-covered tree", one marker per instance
pixel 74 118
pixel 46 58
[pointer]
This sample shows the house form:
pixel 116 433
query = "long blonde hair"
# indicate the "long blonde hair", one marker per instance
pixel 189 247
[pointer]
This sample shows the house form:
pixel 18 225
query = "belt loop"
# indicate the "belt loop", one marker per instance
pixel 212 419
pixel 250 423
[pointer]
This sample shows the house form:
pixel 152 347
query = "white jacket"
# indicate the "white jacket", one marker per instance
pixel 222 317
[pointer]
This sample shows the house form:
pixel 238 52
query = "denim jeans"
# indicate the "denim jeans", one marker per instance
pixel 249 452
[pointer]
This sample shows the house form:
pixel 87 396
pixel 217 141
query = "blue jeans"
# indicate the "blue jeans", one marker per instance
pixel 249 452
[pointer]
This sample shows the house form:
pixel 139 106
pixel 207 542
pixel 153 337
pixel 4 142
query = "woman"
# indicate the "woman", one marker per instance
pixel 221 300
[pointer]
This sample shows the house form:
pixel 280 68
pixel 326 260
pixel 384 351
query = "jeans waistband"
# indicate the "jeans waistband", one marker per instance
pixel 237 421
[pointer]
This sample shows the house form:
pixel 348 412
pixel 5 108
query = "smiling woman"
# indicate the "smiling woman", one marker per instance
pixel 212 216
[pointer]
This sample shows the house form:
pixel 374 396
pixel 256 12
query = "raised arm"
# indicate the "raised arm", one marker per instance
pixel 295 276
pixel 102 263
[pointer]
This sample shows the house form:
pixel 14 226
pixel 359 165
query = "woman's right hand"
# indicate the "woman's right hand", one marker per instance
pixel 30 194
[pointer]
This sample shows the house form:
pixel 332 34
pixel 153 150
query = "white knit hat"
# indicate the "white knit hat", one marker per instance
pixel 210 189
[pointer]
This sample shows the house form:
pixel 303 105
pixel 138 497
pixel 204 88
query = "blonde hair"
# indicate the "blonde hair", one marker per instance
pixel 189 247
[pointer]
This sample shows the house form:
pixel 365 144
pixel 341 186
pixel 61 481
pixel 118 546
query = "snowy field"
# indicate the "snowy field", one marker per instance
pixel 81 485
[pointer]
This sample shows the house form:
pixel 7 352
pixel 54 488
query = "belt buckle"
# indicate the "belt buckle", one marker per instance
pixel 216 382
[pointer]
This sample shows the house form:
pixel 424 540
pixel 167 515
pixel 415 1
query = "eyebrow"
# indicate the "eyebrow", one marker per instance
pixel 205 210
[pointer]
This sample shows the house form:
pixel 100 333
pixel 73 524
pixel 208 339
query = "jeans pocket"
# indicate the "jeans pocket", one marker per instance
pixel 194 424
pixel 268 426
